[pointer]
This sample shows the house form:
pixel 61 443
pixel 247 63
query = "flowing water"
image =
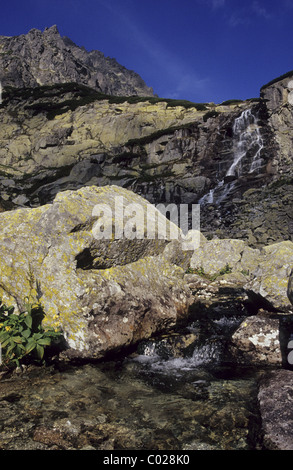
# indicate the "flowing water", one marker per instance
pixel 247 148
pixel 157 398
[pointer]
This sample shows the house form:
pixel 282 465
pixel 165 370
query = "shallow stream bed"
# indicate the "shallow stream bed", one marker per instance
pixel 149 400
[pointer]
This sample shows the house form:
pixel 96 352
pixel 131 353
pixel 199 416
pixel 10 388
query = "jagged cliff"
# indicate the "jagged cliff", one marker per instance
pixel 235 159
pixel 45 58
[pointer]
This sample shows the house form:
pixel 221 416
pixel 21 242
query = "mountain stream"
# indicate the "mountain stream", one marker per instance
pixel 154 398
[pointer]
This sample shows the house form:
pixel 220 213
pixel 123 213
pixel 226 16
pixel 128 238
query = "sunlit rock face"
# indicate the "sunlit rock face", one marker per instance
pixel 105 294
pixel 44 58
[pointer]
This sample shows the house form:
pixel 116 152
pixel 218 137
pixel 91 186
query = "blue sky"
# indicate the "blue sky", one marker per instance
pixel 199 50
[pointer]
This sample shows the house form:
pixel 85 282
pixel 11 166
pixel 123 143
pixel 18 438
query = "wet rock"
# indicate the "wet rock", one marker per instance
pixel 180 344
pixel 257 342
pixel 275 401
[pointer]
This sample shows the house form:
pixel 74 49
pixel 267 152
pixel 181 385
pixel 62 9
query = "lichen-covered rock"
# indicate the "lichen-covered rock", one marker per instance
pixel 278 96
pixel 104 294
pixel 215 255
pixel 270 278
pixel 257 342
pixel 265 272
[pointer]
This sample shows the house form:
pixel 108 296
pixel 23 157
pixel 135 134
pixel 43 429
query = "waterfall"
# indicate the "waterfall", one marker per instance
pixel 247 142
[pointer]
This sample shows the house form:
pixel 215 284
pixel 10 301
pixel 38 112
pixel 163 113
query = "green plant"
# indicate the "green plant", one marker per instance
pixel 275 80
pixel 199 271
pixel 22 336
pixel 245 272
pixel 211 277
pixel 125 157
pixel 230 102
pixel 140 141
pixel 210 114
pixel 226 270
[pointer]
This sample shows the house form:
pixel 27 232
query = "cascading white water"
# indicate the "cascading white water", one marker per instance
pixel 246 136
pixel 247 140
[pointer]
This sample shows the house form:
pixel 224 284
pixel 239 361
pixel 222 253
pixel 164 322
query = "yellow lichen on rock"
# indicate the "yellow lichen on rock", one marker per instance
pixel 53 255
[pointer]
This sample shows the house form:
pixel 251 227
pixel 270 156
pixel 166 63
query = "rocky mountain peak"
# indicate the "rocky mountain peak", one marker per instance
pixel 46 58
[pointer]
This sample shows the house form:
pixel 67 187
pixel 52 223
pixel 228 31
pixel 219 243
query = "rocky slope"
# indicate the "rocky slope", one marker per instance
pixel 44 58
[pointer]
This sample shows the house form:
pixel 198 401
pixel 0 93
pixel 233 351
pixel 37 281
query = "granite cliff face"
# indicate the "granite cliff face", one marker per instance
pixel 45 58
pixel 235 158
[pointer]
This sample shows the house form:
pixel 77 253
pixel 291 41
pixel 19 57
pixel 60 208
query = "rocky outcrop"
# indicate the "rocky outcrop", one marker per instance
pixel 108 285
pixel 44 58
pixel 257 342
pixel 259 280
pixel 278 97
pixel 271 276
pixel 105 289
pixel 264 272
pixel 66 137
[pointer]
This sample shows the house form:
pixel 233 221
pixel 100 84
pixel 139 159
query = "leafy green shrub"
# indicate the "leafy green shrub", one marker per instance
pixel 125 157
pixel 80 95
pixel 199 271
pixel 211 277
pixel 140 141
pixel 231 102
pixel 22 336
pixel 275 80
pixel 210 114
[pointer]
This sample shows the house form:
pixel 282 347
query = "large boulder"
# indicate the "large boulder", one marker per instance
pixel 265 271
pixel 214 256
pixel 257 341
pixel 104 284
pixel 275 402
pixel 269 283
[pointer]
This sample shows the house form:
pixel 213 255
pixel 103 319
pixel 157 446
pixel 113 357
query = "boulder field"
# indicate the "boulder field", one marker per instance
pixel 108 294
pixel 108 288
